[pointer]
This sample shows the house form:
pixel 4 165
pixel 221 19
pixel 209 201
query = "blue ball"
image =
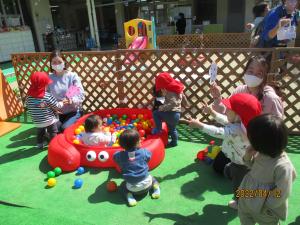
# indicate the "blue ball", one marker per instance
pixel 78 183
pixel 109 121
pixel 80 170
pixel 208 160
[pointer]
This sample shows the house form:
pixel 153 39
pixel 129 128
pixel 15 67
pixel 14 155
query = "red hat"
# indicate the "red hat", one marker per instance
pixel 245 105
pixel 39 80
pixel 165 81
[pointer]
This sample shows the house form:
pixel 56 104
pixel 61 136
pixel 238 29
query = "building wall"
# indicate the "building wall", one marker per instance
pixel 42 18
pixel 222 13
pixel 248 10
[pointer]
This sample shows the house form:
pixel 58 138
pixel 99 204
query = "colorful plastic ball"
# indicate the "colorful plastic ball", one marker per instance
pixel 77 131
pixel 115 145
pixel 115 116
pixel 109 121
pixel 81 127
pixel 133 116
pixel 57 171
pixel 208 160
pixel 140 116
pixel 80 170
pixel 145 116
pixel 124 117
pixel 76 142
pixel 78 183
pixel 51 182
pixel 50 174
pixel 142 133
pixel 78 136
pixel 112 130
pixel 108 115
pixel 111 186
pixel 106 129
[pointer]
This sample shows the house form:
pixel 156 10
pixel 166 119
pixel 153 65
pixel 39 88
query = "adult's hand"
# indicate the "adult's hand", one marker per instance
pixel 215 91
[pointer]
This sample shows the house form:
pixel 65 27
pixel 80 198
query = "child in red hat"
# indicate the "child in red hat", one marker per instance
pixel 170 110
pixel 41 106
pixel 240 109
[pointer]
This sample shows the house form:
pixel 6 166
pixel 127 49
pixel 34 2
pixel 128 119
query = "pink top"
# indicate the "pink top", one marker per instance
pixel 271 102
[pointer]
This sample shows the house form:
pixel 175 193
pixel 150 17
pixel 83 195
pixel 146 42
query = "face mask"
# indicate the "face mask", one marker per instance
pixel 59 67
pixel 252 81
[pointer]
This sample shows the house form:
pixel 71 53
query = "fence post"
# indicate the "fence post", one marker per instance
pixel 120 79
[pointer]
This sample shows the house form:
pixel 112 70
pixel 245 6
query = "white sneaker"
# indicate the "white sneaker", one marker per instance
pixel 233 204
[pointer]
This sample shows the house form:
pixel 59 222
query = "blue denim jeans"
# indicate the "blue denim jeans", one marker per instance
pixel 68 119
pixel 171 119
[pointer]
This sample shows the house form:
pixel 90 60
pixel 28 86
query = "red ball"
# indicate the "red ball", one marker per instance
pixel 111 186
pixel 133 116
pixel 142 132
pixel 139 126
pixel 108 115
pixel 145 117
pixel 112 130
pixel 201 155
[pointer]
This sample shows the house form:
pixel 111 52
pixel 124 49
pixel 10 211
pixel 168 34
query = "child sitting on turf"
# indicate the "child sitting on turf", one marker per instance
pixel 42 107
pixel 170 110
pixel 94 135
pixel 264 191
pixel 134 168
pixel 240 109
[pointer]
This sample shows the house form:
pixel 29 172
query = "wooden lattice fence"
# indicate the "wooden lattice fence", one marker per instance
pixel 210 40
pixel 129 83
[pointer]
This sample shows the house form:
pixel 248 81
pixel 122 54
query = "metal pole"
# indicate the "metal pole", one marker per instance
pixel 21 12
pixel 88 4
pixel 95 24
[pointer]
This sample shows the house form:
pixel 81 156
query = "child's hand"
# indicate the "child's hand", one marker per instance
pixel 67 101
pixel 215 91
pixel 206 108
pixel 193 123
pixel 251 151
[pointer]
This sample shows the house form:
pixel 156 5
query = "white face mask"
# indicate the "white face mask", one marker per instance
pixel 58 67
pixel 252 81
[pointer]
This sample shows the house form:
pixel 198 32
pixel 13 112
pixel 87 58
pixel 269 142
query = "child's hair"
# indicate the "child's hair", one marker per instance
pixel 265 65
pixel 129 139
pixel 56 53
pixel 268 134
pixel 92 122
pixel 259 10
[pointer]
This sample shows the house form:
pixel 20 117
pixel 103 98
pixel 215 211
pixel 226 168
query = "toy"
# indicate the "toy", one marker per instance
pixel 51 174
pixel 209 153
pixel 78 183
pixel 72 91
pixel 57 171
pixel 68 152
pixel 80 170
pixel 51 182
pixel 111 186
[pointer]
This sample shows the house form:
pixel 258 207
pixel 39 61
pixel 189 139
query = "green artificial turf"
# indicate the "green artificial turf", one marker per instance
pixel 191 193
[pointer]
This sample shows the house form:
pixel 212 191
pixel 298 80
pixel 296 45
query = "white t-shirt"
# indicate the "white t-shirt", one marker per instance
pixel 98 138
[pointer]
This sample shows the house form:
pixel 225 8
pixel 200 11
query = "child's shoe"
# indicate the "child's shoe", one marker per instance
pixel 156 191
pixel 41 145
pixel 171 144
pixel 131 200
pixel 233 204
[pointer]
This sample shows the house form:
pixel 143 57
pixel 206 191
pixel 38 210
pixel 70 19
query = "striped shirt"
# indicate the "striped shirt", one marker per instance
pixel 42 110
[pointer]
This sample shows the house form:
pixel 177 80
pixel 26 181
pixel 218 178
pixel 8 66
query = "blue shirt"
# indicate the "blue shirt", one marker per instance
pixel 270 22
pixel 135 170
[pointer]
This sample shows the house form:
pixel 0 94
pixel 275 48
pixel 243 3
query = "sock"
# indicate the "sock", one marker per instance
pixel 131 200
pixel 156 191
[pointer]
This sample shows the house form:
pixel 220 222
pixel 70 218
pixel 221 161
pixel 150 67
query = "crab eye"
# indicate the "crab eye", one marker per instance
pixel 91 156
pixel 103 156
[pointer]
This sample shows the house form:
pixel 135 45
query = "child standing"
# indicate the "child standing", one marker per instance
pixel 134 167
pixel 170 110
pixel 42 106
pixel 240 109
pixel 264 191
pixel 94 135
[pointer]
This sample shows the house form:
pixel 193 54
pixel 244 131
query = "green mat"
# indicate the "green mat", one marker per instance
pixel 191 193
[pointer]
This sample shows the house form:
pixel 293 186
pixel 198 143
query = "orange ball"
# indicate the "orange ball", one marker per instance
pixel 81 127
pixel 140 116
pixel 111 186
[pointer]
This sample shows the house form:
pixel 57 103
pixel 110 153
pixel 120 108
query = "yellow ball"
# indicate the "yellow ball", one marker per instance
pixel 106 129
pixel 81 127
pixel 135 124
pixel 115 145
pixel 76 142
pixel 51 182
pixel 77 131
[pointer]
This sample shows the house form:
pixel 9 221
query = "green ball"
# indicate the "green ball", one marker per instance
pixel 50 174
pixel 115 116
pixel 124 117
pixel 57 171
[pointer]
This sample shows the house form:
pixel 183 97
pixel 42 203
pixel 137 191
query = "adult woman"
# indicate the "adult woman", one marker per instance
pixel 255 78
pixel 63 79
